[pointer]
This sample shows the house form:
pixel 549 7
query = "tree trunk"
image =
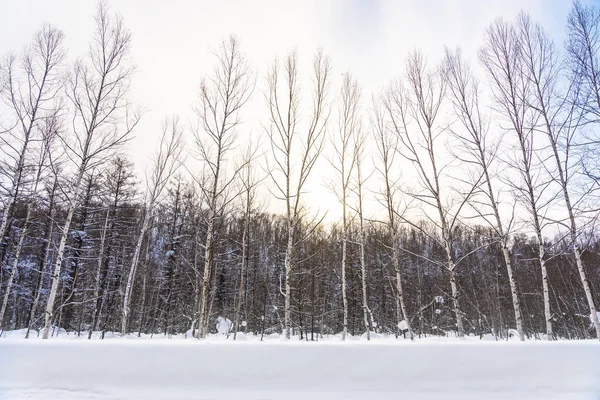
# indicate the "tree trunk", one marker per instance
pixel 244 266
pixel 45 255
pixel 203 317
pixel 288 277
pixel 344 296
pixel 132 271
pixel 399 288
pixel 98 277
pixel 455 301
pixel 588 292
pixel 513 290
pixel 58 265
pixel 367 316
pixel 15 265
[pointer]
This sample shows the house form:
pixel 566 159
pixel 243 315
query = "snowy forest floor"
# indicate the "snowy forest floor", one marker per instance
pixel 218 368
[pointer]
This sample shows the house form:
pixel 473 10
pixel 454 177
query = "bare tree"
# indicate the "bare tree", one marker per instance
pixel 222 96
pixel 164 166
pixel 501 57
pixel 559 120
pixel 414 118
pixel 387 143
pixel 476 150
pixel 285 137
pixel 30 91
pixel 97 296
pixel 249 183
pixel 358 188
pixel 102 120
pixel 48 133
pixel 583 44
pixel 343 163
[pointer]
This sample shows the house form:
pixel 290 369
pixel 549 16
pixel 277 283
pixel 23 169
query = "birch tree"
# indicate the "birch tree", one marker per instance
pixel 501 57
pixel 164 165
pixel 478 150
pixel 583 44
pixel 343 163
pixel 249 183
pixel 559 119
pixel 119 181
pixel 222 96
pixel 102 119
pixel 294 148
pixel 414 115
pixel 49 128
pixel 30 91
pixel 387 143
pixel 583 29
pixel 358 188
pixel 45 249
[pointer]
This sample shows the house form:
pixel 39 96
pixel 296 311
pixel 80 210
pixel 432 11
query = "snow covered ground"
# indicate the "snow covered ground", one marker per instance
pixel 219 369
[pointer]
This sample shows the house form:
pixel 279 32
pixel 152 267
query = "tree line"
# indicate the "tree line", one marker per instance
pixel 486 190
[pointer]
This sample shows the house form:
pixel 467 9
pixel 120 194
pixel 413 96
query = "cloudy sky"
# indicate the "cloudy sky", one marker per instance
pixel 172 41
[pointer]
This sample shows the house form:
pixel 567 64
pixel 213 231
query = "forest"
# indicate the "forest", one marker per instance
pixel 467 192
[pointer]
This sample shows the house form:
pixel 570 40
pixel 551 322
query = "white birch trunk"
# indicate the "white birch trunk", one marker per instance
pixel 513 290
pixel 131 276
pixel 573 233
pixel 49 314
pixel 144 286
pixel 506 254
pixel 588 292
pixel 344 295
pixel 545 288
pixel 455 301
pixel 5 214
pixel 46 256
pixel 344 254
pixel 288 288
pixel 507 261
pixel 97 277
pixel 538 231
pixel 15 265
pixel 203 317
pixel 464 88
pixel 240 295
pixel 16 183
pixel 399 289
pixel 245 250
pixel 358 155
pixel 367 315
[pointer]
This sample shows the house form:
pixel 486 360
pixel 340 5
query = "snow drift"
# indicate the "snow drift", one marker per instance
pixel 190 369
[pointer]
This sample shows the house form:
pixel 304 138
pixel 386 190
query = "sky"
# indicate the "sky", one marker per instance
pixel 172 43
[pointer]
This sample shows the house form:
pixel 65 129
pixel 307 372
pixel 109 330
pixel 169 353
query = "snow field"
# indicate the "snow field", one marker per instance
pixel 222 369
